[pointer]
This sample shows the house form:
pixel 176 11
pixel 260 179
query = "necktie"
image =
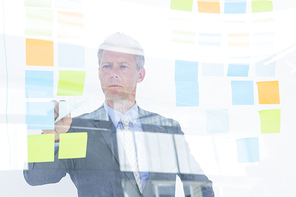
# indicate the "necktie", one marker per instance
pixel 130 150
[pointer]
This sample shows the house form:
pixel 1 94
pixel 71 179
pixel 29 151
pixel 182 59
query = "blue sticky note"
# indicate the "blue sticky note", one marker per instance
pixel 40 115
pixel 71 55
pixel 235 7
pixel 248 150
pixel 186 71
pixel 217 121
pixel 238 70
pixel 267 70
pixel 212 69
pixel 187 94
pixel 242 92
pixel 38 84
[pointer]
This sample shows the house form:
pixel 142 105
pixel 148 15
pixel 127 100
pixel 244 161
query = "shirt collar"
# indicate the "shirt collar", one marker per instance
pixel 115 115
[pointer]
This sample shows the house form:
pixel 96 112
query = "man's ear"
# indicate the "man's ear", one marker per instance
pixel 141 76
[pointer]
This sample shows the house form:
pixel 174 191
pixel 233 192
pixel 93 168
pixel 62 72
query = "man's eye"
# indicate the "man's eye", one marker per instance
pixel 106 66
pixel 123 66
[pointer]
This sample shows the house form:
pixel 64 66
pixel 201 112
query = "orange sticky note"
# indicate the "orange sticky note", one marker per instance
pixel 208 7
pixel 39 52
pixel 268 92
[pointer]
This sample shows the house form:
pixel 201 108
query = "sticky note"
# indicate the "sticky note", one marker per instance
pixel 242 92
pixel 184 36
pixel 71 83
pixel 71 55
pixel 270 120
pixel 72 145
pixel 41 148
pixel 212 69
pixel 68 4
pixel 187 93
pixel 238 40
pixel 238 70
pixel 38 3
pixel 38 22
pixel 267 70
pixel 235 7
pixel 66 107
pixel 217 121
pixel 38 84
pixel 40 115
pixel 39 52
pixel 208 7
pixel 261 6
pixel 70 25
pixel 182 5
pixel 186 70
pixel 268 92
pixel 209 39
pixel 248 150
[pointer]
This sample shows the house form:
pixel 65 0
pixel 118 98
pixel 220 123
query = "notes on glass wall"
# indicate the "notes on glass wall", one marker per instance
pixel 38 3
pixel 71 55
pixel 209 39
pixel 208 6
pixel 235 7
pixel 267 70
pixel 186 78
pixel 238 70
pixel 182 5
pixel 270 120
pixel 71 83
pixel 242 92
pixel 41 148
pixel 262 6
pixel 268 92
pixel 248 150
pixel 39 22
pixel 217 121
pixel 238 40
pixel 184 36
pixel 72 145
pixel 212 69
pixel 40 115
pixel 39 52
pixel 38 84
pixel 70 25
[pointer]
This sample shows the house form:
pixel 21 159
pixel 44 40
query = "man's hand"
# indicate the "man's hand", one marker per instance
pixel 62 126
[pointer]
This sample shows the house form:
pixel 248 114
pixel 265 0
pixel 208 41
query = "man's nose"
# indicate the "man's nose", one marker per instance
pixel 114 73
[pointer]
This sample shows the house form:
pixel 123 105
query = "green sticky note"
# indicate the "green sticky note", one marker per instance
pixel 38 22
pixel 38 3
pixel 72 145
pixel 182 5
pixel 270 120
pixel 41 148
pixel 261 6
pixel 71 83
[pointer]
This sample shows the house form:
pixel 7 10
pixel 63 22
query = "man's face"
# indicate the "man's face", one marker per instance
pixel 119 75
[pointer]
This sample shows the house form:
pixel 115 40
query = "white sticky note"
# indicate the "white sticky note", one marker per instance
pixel 66 107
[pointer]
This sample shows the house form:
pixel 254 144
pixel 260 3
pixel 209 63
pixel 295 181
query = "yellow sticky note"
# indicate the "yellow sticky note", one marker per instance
pixel 39 52
pixel 268 92
pixel 70 24
pixel 71 83
pixel 41 148
pixel 270 120
pixel 72 145
pixel 208 7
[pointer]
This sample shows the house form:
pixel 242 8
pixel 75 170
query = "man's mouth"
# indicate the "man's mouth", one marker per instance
pixel 114 86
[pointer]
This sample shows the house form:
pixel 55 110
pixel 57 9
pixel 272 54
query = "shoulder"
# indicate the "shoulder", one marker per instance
pixel 98 114
pixel 151 118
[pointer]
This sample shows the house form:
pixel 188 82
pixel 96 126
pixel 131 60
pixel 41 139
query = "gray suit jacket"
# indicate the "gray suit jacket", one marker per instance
pixel 99 174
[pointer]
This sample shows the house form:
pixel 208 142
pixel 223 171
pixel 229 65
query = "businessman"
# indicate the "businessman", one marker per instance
pixel 121 158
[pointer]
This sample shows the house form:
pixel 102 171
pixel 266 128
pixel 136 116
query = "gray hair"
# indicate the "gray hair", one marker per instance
pixel 122 43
